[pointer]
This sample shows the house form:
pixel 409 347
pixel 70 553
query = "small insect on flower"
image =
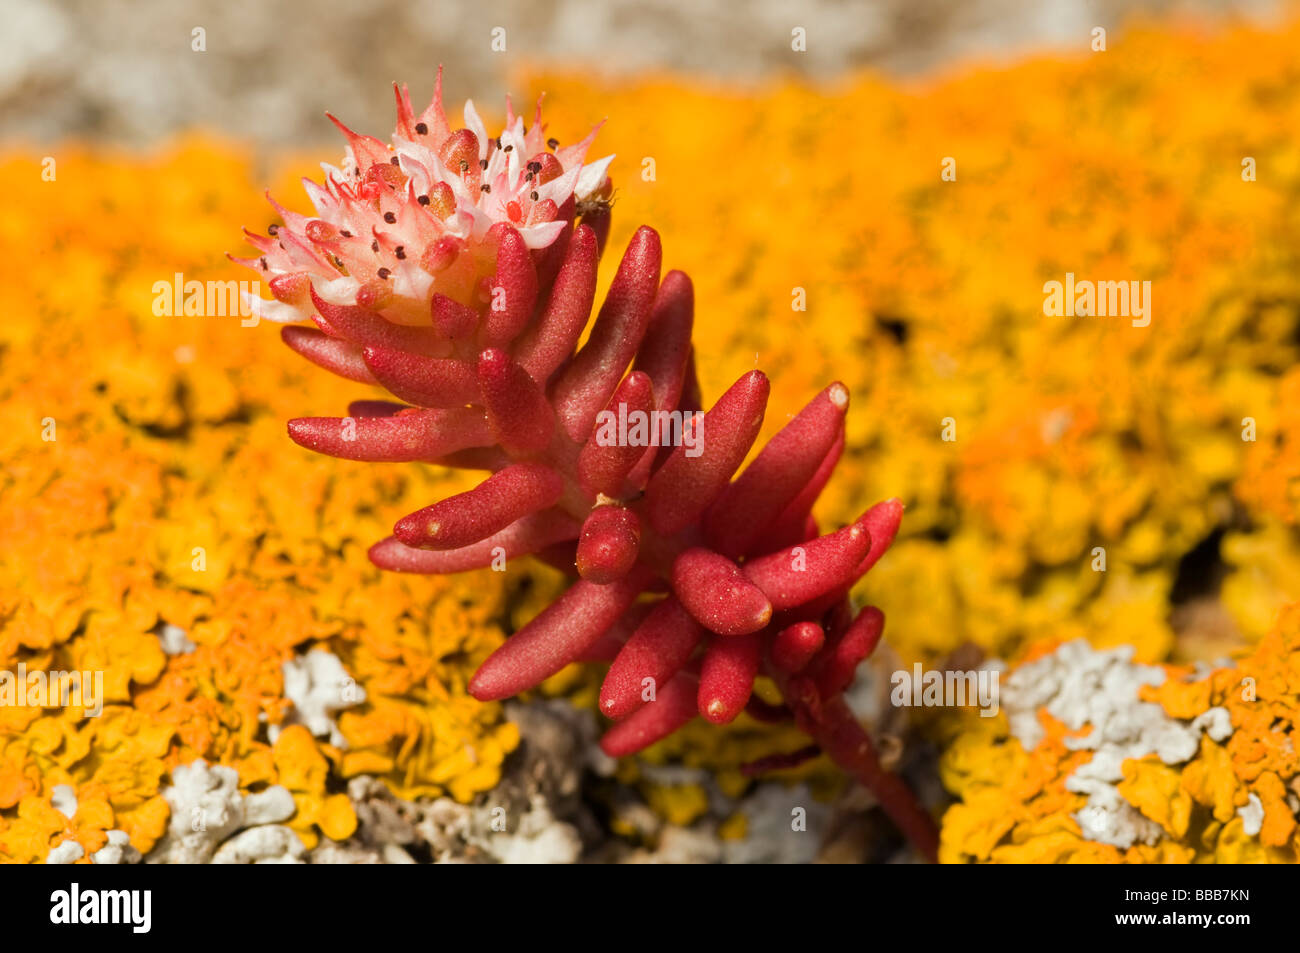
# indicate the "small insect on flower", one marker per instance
pixel 465 293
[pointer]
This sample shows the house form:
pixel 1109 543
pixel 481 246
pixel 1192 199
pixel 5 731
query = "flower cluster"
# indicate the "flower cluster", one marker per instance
pixel 398 216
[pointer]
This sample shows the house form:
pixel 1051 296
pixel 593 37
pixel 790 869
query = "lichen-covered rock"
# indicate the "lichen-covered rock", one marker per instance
pixel 267 844
pixel 1097 758
pixel 207 808
pixel 318 686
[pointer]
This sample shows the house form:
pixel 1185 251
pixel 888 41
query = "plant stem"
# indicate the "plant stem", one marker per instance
pixel 836 730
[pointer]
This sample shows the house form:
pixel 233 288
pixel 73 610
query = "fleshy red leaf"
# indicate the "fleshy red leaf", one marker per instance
pixel 472 516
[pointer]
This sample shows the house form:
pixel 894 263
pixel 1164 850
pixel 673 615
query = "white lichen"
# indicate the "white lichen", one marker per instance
pixel 1215 722
pixel 118 850
pixel 267 844
pixel 537 837
pixel 1082 687
pixel 698 844
pixel 64 800
pixel 1252 815
pixel 784 825
pixel 174 641
pixel 67 852
pixel 271 806
pixel 318 686
pixel 535 815
pixel 1109 819
pixel 207 808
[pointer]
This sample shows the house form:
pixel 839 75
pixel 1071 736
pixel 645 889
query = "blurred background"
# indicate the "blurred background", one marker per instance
pixel 124 70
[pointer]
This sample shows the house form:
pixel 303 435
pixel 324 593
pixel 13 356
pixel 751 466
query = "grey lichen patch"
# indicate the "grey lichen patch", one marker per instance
pixel 318 686
pixel 1086 688
pixel 207 808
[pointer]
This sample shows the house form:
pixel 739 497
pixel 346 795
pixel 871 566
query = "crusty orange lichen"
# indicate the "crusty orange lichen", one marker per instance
pixel 1262 696
pixel 1270 479
pixel 1014 807
pixel 1268 554
pixel 164 491
pixel 1234 801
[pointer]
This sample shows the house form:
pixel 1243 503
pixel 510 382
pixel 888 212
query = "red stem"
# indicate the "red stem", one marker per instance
pixel 836 730
pixel 780 762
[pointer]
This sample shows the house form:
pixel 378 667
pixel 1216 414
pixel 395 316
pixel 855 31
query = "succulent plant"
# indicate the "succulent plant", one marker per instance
pixel 458 272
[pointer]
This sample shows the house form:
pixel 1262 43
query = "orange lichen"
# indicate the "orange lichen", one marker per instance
pixel 1234 801
pixel 1270 478
pixel 149 481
